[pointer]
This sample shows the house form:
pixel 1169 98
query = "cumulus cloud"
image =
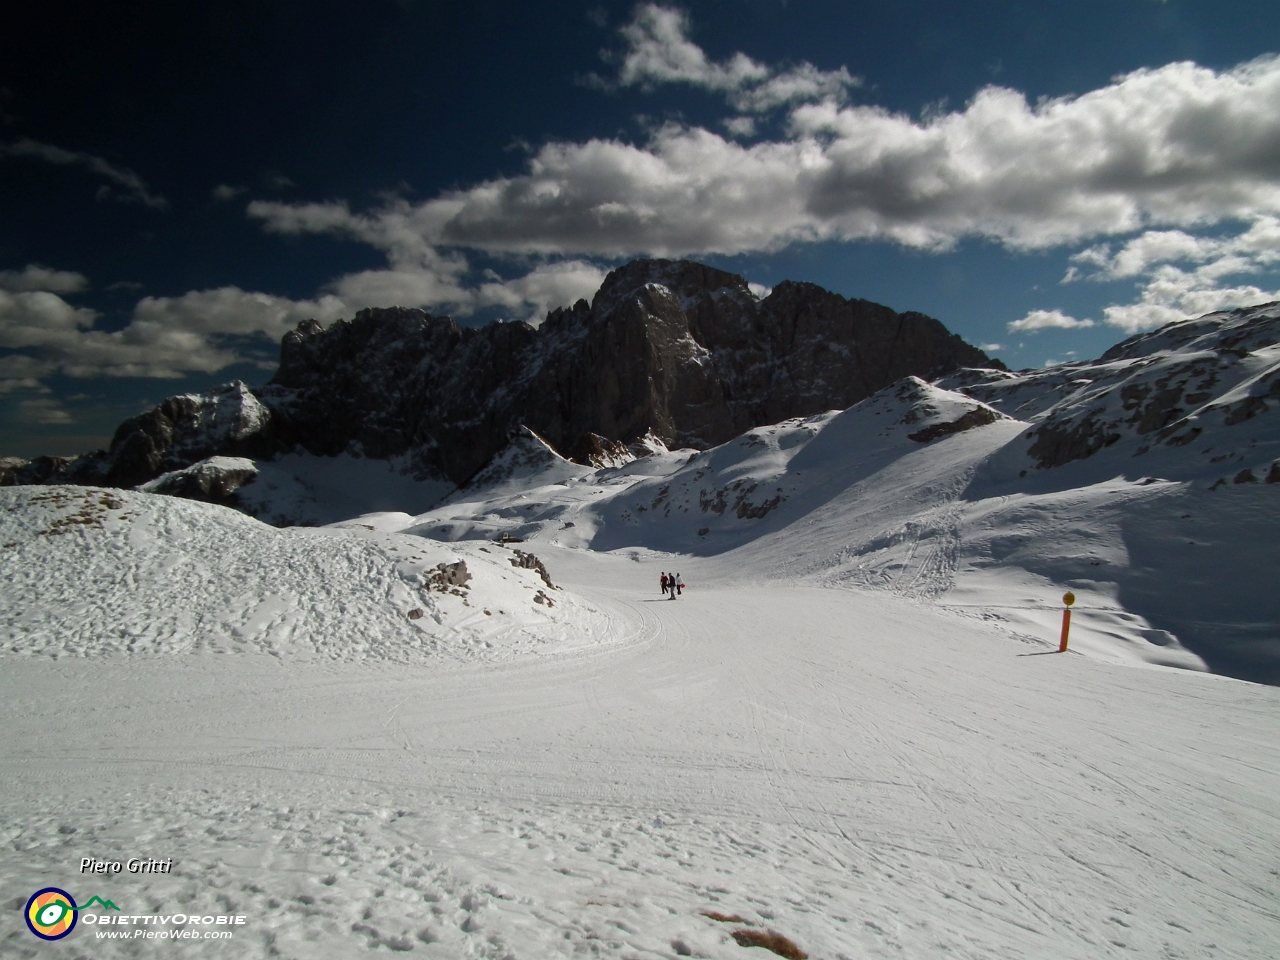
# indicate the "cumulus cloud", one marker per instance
pixel 166 337
pixel 1181 146
pixel 447 286
pixel 1047 320
pixel 35 277
pixel 223 192
pixel 1183 275
pixel 419 273
pixel 58 336
pixel 1171 293
pixel 232 311
pixel 127 184
pixel 40 319
pixel 659 51
pixel 44 412
pixel 19 372
pixel 1252 249
pixel 543 289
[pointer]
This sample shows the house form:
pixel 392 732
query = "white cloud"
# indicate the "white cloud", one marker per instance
pixel 230 310
pixel 419 274
pixel 1183 275
pixel 1171 293
pixel 223 192
pixel 1254 248
pixel 1047 320
pixel 130 185
pixel 35 277
pixel 659 51
pixel 40 319
pixel 1181 146
pixel 19 372
pixel 797 85
pixel 167 337
pixel 759 290
pixel 45 412
pixel 543 289
pixel 991 347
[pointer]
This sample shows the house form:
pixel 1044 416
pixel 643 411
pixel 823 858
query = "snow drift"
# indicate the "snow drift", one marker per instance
pixel 91 571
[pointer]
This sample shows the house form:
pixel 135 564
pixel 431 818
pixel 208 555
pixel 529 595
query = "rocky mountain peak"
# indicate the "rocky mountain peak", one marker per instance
pixel 668 353
pixel 684 278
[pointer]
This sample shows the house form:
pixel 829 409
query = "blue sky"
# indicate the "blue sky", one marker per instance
pixel 180 184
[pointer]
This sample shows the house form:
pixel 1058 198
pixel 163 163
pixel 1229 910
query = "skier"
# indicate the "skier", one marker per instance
pixel 679 584
pixel 665 583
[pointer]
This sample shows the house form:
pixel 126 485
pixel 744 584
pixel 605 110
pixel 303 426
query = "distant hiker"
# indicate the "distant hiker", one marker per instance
pixel 665 583
pixel 679 584
pixel 671 582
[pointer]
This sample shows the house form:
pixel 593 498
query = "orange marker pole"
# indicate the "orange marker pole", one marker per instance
pixel 1068 599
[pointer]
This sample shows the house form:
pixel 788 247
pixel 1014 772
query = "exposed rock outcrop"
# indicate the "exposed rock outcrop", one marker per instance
pixel 214 480
pixel 1209 385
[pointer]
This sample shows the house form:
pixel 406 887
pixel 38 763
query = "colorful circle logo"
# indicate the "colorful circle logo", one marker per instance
pixel 51 913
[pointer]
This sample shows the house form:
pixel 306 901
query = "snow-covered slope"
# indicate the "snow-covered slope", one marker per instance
pixel 1197 401
pixel 939 495
pixel 90 571
pixel 527 457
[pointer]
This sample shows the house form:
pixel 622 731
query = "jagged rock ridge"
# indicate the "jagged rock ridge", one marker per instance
pixel 677 352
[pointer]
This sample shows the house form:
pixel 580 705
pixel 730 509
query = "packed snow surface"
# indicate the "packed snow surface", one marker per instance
pixel 471 726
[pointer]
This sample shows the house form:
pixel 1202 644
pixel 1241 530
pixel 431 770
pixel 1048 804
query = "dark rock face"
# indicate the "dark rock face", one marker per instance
pixel 678 350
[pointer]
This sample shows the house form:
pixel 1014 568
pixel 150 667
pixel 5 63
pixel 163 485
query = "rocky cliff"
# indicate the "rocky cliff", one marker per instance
pixel 676 351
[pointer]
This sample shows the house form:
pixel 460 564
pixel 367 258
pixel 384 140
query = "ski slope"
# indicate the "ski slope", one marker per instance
pixel 864 772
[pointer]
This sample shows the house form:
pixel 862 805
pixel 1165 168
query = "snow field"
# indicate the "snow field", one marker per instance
pixel 867 775
pixel 91 571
